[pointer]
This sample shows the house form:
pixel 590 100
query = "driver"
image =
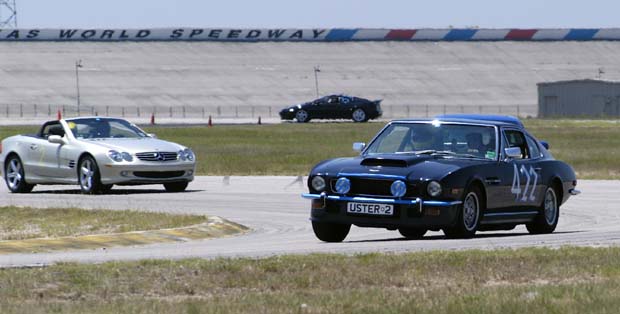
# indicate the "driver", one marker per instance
pixel 425 137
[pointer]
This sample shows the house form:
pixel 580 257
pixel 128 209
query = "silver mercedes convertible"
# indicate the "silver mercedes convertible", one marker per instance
pixel 95 153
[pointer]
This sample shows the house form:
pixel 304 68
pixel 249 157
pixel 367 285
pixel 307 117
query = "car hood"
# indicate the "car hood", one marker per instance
pixel 135 145
pixel 414 167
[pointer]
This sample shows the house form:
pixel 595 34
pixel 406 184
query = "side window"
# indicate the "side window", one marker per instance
pixel 517 139
pixel 533 147
pixel 52 129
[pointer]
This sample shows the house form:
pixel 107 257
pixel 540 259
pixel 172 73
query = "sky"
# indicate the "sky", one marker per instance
pixel 317 13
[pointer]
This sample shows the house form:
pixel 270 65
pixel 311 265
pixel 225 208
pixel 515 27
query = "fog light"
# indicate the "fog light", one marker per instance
pixel 191 172
pixel 124 173
pixel 343 185
pixel 398 188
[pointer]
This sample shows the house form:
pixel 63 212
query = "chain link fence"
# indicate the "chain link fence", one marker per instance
pixel 50 111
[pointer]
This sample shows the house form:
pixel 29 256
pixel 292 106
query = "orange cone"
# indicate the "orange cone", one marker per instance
pixel 58 115
pixel 210 122
pixel 152 118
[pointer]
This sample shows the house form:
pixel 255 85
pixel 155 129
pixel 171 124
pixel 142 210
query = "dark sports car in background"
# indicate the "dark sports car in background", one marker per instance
pixel 458 173
pixel 334 107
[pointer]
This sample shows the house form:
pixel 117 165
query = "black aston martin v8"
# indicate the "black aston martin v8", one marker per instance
pixel 334 107
pixel 457 173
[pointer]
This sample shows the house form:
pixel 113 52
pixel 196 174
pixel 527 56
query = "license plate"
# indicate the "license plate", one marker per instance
pixel 370 209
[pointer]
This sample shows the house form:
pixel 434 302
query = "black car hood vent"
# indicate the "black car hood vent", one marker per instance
pixel 373 162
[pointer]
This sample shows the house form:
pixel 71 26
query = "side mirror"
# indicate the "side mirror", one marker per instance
pixel 358 146
pixel 513 152
pixel 56 139
pixel 544 144
pixel 152 135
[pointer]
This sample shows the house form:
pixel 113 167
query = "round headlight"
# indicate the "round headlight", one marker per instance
pixel 116 156
pixel 318 183
pixel 398 188
pixel 126 156
pixel 181 155
pixel 343 185
pixel 433 188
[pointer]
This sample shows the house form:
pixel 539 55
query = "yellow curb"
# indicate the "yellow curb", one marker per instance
pixel 215 227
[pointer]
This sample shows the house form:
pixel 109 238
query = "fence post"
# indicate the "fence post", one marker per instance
pixel 170 111
pixel 21 110
pixel 236 111
pixel 7 111
pixel 219 111
pixel 49 110
pixel 252 108
pixel 35 110
pixel 269 111
pixel 107 111
pixel 138 111
pixel 408 111
pixel 183 111
pixel 63 111
pixel 123 112
pixel 203 112
pixel 92 111
pixel 426 110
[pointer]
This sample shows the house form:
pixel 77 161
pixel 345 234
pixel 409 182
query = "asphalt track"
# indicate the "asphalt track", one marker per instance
pixel 278 216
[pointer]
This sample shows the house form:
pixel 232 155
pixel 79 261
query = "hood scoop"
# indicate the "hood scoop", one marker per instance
pixel 374 162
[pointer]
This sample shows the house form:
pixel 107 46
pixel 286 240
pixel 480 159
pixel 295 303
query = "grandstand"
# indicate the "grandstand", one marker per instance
pixel 480 76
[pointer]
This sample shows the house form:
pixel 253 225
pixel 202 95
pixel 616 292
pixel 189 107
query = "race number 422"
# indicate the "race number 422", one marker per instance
pixel 530 175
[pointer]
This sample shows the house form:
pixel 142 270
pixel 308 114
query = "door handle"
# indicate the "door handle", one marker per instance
pixel 33 146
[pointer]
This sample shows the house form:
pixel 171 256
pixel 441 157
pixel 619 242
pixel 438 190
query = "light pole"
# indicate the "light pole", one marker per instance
pixel 78 64
pixel 316 80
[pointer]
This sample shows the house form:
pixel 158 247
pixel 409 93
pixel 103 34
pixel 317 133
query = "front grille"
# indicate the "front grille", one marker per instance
pixel 157 156
pixel 374 187
pixel 158 174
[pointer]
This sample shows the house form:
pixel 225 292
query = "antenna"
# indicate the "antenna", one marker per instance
pixel 8 14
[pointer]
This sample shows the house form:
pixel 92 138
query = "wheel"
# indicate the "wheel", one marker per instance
pixel 14 176
pixel 412 232
pixel 359 115
pixel 89 177
pixel 468 219
pixel 549 215
pixel 330 232
pixel 302 116
pixel 175 186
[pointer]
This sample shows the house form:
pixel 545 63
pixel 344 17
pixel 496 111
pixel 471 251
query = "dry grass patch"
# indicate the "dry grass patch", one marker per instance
pixel 18 223
pixel 567 280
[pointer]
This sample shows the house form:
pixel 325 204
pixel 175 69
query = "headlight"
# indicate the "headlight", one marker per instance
pixel 127 156
pixel 343 185
pixel 433 188
pixel 116 156
pixel 318 183
pixel 186 154
pixel 291 110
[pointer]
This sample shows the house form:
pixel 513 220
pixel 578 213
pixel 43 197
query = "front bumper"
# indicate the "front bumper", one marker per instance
pixel 407 212
pixel 287 115
pixel 146 172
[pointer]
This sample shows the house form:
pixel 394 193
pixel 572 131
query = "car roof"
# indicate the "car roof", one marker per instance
pixel 497 120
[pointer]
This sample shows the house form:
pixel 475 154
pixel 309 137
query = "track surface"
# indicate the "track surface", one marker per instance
pixel 273 208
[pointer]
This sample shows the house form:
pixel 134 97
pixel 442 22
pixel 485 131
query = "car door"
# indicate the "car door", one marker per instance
pixel 43 155
pixel 521 175
pixel 344 108
pixel 326 109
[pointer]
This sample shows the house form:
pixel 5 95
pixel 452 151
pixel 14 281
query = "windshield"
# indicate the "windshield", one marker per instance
pixel 457 140
pixel 104 128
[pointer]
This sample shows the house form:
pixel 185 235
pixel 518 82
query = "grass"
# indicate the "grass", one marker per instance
pixel 18 223
pixel 567 280
pixel 591 147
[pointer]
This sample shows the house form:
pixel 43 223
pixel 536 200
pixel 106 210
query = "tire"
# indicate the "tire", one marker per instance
pixel 175 186
pixel 302 116
pixel 89 177
pixel 468 219
pixel 15 177
pixel 359 115
pixel 412 232
pixel 330 232
pixel 549 215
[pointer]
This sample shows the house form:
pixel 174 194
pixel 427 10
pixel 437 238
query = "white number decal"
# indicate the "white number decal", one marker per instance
pixel 516 183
